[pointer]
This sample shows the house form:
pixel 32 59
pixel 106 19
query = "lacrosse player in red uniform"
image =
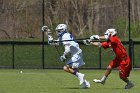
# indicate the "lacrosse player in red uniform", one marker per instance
pixel 122 59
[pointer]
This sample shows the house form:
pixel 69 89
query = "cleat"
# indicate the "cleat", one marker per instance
pixel 99 81
pixel 85 84
pixel 129 85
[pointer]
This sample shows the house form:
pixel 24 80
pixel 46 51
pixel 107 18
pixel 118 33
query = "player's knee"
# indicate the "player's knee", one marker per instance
pixel 123 77
pixel 123 74
pixel 109 68
pixel 65 68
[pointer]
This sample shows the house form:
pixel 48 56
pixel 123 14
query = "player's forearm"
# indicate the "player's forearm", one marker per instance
pixel 102 37
pixel 96 44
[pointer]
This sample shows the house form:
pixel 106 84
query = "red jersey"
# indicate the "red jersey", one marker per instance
pixel 122 60
pixel 118 48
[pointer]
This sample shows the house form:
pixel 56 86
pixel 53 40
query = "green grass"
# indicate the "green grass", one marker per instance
pixel 58 81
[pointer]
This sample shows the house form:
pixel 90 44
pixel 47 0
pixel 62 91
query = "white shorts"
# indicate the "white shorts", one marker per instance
pixel 76 61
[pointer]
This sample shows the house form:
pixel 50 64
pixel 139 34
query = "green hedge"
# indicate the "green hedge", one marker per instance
pixel 31 56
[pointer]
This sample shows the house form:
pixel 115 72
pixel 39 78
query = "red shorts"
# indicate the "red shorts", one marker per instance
pixel 124 66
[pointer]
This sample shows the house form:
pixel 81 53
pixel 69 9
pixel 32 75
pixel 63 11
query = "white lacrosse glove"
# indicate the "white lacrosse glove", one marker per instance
pixel 86 42
pixel 63 58
pixel 56 42
pixel 50 39
pixel 94 37
pixel 53 42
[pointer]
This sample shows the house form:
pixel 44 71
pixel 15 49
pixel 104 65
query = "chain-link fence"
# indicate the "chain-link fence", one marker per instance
pixel 24 45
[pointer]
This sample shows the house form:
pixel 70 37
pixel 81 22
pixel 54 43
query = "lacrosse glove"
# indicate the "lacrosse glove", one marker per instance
pixel 86 42
pixel 63 58
pixel 94 37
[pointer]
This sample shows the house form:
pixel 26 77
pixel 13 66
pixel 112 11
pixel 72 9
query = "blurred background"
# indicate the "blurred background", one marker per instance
pixel 23 45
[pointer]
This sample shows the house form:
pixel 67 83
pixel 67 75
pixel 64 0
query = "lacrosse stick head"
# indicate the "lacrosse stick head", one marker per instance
pixel 60 29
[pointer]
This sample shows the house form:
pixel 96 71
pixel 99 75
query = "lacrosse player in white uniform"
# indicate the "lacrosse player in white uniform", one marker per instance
pixel 71 47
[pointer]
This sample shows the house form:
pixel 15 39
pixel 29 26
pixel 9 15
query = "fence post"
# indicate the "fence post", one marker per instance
pixel 100 58
pixel 131 51
pixel 131 46
pixel 133 56
pixel 13 55
pixel 43 63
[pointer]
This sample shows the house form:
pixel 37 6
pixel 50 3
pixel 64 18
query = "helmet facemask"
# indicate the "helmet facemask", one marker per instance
pixel 60 29
pixel 59 32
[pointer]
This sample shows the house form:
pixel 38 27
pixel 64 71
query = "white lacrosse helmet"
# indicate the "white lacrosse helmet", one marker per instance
pixel 60 29
pixel 110 32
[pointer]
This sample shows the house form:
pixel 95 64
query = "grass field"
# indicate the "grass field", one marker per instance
pixel 57 81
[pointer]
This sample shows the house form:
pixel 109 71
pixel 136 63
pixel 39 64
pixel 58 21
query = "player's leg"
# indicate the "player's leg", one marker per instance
pixel 112 65
pixel 124 71
pixel 78 63
pixel 73 67
pixel 69 69
pixel 103 79
pixel 107 72
pixel 123 76
pixel 75 71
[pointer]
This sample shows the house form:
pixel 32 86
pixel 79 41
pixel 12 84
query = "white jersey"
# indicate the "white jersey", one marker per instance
pixel 72 47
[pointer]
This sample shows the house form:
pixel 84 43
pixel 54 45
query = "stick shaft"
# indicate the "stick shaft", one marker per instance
pixel 81 40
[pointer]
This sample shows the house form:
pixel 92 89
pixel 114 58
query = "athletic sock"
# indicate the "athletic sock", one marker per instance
pixel 77 74
pixel 104 78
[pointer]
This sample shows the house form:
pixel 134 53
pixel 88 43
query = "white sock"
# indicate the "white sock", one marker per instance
pixel 77 74
pixel 104 78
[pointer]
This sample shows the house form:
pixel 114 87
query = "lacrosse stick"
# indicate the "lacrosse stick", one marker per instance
pixel 80 40
pixel 50 38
